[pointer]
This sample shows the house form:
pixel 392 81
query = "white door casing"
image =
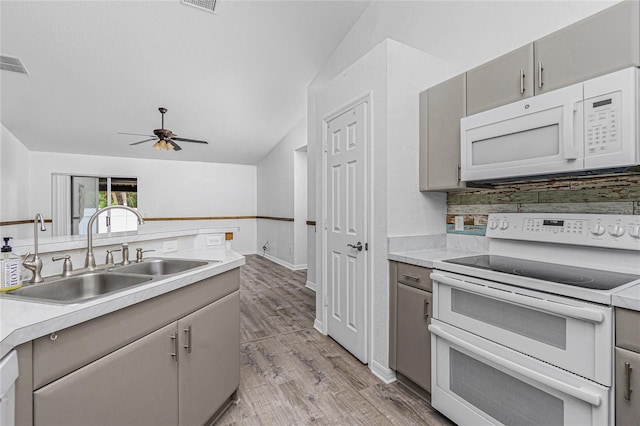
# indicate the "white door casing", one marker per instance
pixel 345 213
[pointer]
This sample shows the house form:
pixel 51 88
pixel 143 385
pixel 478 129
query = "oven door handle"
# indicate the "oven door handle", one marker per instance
pixel 544 305
pixel 582 394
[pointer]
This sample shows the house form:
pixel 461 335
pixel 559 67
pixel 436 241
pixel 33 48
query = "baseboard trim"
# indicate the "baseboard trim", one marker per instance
pixel 383 373
pixel 247 252
pixel 284 262
pixel 317 324
pixel 310 285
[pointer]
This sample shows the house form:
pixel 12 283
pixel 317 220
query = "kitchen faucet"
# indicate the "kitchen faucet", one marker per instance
pixel 35 264
pixel 90 260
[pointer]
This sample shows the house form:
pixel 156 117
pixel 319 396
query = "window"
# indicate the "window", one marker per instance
pixel 76 198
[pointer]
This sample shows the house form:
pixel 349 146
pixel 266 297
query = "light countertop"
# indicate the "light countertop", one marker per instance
pixel 426 257
pixel 628 298
pixel 22 321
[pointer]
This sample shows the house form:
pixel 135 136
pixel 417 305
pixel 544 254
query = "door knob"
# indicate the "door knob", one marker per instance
pixel 358 246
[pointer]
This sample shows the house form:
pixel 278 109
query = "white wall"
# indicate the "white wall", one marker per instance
pixel 166 189
pixel 276 198
pixel 300 206
pixel 14 184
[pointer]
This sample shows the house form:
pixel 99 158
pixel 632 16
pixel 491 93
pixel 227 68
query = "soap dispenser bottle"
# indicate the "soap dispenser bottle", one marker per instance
pixel 10 268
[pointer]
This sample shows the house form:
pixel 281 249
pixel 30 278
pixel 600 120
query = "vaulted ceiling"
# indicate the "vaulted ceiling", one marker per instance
pixel 236 78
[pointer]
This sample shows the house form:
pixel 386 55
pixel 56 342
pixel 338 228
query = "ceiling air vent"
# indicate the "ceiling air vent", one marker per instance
pixel 208 5
pixel 10 63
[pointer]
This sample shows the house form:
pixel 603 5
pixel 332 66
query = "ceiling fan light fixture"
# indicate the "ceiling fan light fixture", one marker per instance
pixel 158 145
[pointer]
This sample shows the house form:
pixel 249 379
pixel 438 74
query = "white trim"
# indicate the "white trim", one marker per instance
pixel 311 286
pixel 317 324
pixel 367 100
pixel 283 262
pixel 383 373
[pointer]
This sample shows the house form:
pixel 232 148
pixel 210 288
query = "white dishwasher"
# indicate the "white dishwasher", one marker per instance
pixel 8 376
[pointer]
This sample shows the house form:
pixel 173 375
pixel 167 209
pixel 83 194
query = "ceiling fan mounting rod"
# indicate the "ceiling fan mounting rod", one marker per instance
pixel 162 111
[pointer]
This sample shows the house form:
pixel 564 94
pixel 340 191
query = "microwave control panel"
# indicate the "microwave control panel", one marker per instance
pixel 602 124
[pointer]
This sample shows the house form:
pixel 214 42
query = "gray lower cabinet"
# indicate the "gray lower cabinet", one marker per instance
pixel 208 369
pixel 413 344
pixel 627 367
pixel 171 360
pixel 410 340
pixel 133 385
pixel 441 108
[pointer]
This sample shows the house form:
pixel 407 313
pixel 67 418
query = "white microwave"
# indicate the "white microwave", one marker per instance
pixel 589 127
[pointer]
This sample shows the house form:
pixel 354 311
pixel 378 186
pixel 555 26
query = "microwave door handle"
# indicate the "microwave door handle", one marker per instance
pixel 568 147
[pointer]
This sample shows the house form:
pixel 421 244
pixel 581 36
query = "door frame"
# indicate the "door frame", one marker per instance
pixel 367 100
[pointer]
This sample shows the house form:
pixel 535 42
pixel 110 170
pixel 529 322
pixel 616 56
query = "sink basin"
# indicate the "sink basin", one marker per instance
pixel 160 266
pixel 79 288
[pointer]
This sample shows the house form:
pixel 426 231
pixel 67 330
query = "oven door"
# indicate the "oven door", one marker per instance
pixel 476 382
pixel 535 136
pixel 570 334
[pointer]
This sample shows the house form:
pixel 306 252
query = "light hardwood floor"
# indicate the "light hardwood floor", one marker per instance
pixel 293 375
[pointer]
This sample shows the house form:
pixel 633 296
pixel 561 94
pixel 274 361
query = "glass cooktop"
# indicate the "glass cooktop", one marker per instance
pixel 563 274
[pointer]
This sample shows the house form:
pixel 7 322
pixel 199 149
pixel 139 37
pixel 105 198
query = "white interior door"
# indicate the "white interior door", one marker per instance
pixel 346 236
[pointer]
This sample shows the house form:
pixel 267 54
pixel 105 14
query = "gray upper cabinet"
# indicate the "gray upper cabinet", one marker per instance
pixel 603 43
pixel 441 108
pixel 506 79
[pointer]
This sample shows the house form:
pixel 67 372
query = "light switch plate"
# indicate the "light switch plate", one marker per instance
pixel 170 246
pixel 459 223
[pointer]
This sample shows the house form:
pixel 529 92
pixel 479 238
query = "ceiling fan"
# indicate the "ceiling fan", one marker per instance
pixel 165 138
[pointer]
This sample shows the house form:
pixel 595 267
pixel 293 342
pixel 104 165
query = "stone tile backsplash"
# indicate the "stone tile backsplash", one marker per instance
pixel 606 195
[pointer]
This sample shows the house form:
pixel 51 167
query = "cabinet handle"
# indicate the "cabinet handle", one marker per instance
pixel 411 277
pixel 540 69
pixel 174 338
pixel 459 173
pixel 627 381
pixel 187 331
pixel 521 81
pixel 426 310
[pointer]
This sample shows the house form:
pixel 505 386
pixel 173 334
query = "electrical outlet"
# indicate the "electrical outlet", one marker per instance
pixel 170 246
pixel 459 223
pixel 214 240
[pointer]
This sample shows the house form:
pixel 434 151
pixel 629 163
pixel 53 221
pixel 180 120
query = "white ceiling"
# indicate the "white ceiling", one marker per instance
pixel 236 78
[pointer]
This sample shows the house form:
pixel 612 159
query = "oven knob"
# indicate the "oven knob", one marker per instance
pixel 634 231
pixel 597 229
pixel 494 224
pixel 616 231
pixel 504 225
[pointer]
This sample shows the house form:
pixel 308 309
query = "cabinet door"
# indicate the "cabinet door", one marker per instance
pixel 627 403
pixel 209 370
pixel 605 42
pixel 135 385
pixel 441 108
pixel 413 346
pixel 506 79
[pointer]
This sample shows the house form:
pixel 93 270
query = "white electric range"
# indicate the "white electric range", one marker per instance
pixel 524 334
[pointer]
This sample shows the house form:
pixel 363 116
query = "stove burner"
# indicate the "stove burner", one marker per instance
pixel 594 279
pixel 560 277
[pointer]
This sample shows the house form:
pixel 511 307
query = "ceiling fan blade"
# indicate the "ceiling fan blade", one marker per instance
pixel 134 134
pixel 189 140
pixel 175 146
pixel 146 140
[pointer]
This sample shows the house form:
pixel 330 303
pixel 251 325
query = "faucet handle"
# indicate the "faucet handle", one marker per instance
pixel 139 252
pixel 109 259
pixel 67 267
pixel 25 258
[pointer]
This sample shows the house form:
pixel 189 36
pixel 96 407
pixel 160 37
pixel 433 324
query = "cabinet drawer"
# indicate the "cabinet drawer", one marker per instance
pixel 627 387
pixel 79 345
pixel 628 329
pixel 415 276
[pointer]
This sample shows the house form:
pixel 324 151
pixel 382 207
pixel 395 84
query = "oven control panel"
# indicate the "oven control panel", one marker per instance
pixel 614 231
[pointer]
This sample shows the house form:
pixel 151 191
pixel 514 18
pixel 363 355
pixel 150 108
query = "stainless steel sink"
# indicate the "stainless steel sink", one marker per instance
pixel 160 266
pixel 79 288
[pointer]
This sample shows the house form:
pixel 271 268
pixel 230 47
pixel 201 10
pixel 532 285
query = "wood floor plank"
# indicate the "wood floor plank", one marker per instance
pixel 293 375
